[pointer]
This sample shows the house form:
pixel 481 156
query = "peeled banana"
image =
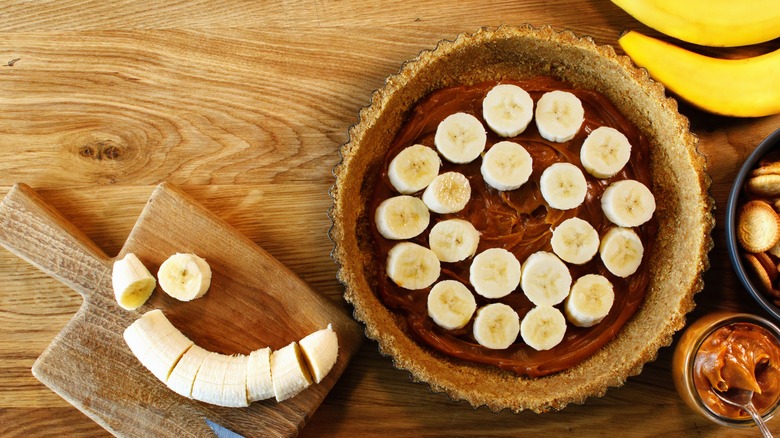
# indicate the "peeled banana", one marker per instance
pixel 232 381
pixel 132 282
pixel 724 23
pixel 730 87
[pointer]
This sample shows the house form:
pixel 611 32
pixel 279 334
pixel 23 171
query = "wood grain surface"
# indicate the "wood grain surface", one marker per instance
pixel 243 104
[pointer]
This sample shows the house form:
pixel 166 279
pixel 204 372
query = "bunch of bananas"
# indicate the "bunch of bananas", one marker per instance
pixel 748 87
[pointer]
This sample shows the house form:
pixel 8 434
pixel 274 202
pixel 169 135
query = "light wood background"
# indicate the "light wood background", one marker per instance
pixel 244 104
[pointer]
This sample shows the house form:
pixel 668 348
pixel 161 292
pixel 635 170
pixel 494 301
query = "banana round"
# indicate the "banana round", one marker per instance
pixel 401 217
pixel 543 327
pixel 184 276
pixel 559 116
pixel 506 166
pixel 575 241
pixel 507 109
pixel 628 203
pixel 495 273
pixel 451 304
pixel 453 240
pixel 589 301
pixel 460 138
pixel 412 266
pixel 449 192
pixel 546 280
pixel 563 186
pixel 413 169
pixel 605 152
pixel 621 251
pixel 496 326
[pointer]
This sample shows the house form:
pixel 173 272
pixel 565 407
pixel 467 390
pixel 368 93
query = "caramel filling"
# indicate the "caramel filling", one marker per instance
pixel 739 355
pixel 519 221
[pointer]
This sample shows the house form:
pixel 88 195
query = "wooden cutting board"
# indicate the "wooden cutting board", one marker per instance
pixel 254 301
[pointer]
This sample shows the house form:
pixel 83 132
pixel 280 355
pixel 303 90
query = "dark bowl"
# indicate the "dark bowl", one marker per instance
pixel 771 142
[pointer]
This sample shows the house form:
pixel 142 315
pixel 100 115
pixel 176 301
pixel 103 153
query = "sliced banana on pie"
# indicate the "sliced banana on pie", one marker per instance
pixel 621 251
pixel 460 138
pixel 506 166
pixel 628 203
pixel 496 326
pixel 589 301
pixel 401 217
pixel 546 280
pixel 575 241
pixel 559 116
pixel 412 266
pixel 563 186
pixel 507 109
pixel 449 192
pixel 453 240
pixel 605 152
pixel 543 327
pixel 495 273
pixel 413 169
pixel 451 304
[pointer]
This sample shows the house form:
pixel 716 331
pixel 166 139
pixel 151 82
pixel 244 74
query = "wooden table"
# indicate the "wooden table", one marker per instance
pixel 244 104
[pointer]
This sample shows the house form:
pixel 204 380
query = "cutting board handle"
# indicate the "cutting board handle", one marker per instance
pixel 39 234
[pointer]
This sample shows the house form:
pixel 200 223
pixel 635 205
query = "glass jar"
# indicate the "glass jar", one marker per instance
pixel 684 358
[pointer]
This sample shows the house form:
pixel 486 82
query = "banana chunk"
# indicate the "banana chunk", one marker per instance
pixel 413 169
pixel 605 152
pixel 563 186
pixel 222 381
pixel 460 138
pixel 288 372
pixel 185 276
pixel 590 300
pixel 496 326
pixel 507 109
pixel 320 350
pixel 447 193
pixel 259 385
pixel 453 240
pixel 546 279
pixel 506 166
pixel 401 217
pixel 543 327
pixel 495 273
pixel 628 203
pixel 133 283
pixel 451 304
pixel 621 251
pixel 559 116
pixel 156 343
pixel 575 241
pixel 183 375
pixel 412 266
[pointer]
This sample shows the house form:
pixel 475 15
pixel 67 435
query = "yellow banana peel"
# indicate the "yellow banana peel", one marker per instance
pixel 747 87
pixel 720 23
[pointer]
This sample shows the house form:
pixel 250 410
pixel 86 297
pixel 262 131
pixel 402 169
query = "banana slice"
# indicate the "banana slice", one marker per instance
pixel 543 327
pixel 605 152
pixel 507 109
pixel 563 186
pixel 259 385
pixel 288 372
pixel 506 166
pixel 559 115
pixel 453 240
pixel 589 301
pixel 412 266
pixel 183 375
pixel 460 138
pixel 494 273
pixel 575 241
pixel 413 169
pixel 133 283
pixel 320 350
pixel 185 276
pixel 156 343
pixel 401 217
pixel 628 203
pixel 496 326
pixel 451 304
pixel 621 251
pixel 447 193
pixel 222 381
pixel 546 279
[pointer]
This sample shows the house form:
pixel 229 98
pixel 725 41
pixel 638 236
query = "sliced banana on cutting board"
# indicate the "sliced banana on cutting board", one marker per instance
pixel 185 276
pixel 133 284
pixel 231 381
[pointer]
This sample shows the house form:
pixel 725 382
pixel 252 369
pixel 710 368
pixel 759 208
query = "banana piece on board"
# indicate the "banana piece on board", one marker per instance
pixel 412 266
pixel 156 343
pixel 288 372
pixel 222 381
pixel 401 217
pixel 589 301
pixel 543 327
pixel 259 385
pixel 451 304
pixel 133 284
pixel 413 169
pixel 449 192
pixel 621 251
pixel 183 375
pixel 575 241
pixel 628 203
pixel 496 326
pixel 320 350
pixel 453 240
pixel 460 138
pixel 494 273
pixel 506 166
pixel 605 152
pixel 185 276
pixel 559 116
pixel 563 186
pixel 546 280
pixel 507 109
